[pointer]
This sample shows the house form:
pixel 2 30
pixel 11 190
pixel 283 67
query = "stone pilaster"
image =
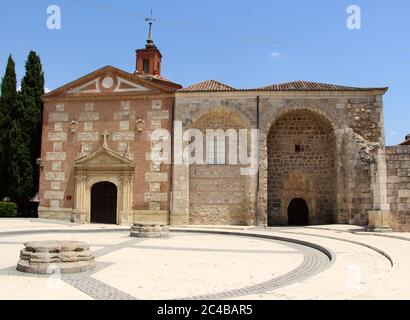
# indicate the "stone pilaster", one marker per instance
pixel 126 214
pixel 79 212
pixel 380 215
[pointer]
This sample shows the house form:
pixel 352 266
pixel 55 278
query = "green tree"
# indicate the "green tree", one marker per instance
pixel 32 89
pixel 20 167
pixel 7 108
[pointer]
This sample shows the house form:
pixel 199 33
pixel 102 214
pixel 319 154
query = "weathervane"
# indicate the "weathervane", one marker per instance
pixel 150 21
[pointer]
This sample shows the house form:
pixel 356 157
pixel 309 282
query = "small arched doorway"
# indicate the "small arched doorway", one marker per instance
pixel 298 213
pixel 104 203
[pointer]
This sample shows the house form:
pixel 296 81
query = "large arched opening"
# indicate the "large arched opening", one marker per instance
pixel 301 165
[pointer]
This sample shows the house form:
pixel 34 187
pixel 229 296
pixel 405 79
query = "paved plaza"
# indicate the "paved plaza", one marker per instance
pixel 218 263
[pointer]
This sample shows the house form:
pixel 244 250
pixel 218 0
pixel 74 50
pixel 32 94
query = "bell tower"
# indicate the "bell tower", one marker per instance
pixel 149 59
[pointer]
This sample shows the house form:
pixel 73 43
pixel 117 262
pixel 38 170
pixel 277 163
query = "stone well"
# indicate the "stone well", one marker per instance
pixel 48 257
pixel 149 231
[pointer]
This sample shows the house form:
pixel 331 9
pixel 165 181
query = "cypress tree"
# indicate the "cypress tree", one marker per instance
pixel 20 170
pixel 32 89
pixel 7 108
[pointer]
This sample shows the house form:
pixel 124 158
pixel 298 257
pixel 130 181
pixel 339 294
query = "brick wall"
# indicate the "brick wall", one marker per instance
pixel 72 129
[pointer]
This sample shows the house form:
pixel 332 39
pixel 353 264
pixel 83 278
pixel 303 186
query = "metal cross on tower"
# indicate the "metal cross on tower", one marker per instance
pixel 150 21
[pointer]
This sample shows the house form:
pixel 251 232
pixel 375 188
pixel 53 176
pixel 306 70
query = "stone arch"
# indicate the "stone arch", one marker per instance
pixel 217 193
pixel 300 163
pixel 236 115
pixel 297 108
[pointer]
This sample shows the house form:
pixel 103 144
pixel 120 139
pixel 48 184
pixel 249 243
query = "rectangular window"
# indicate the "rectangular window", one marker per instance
pixel 217 151
pixel 146 66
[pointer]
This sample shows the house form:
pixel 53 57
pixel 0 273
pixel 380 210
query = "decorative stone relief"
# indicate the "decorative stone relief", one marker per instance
pixel 140 125
pixel 73 126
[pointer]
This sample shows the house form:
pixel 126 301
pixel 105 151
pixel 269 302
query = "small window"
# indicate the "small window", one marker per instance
pixel 146 66
pixel 217 151
pixel 298 148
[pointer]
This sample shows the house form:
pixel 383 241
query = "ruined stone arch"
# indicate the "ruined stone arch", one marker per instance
pixel 299 145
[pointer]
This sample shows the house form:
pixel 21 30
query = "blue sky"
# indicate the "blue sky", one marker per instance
pixel 243 43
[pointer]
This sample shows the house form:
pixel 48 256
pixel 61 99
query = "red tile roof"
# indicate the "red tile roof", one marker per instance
pixel 215 86
pixel 208 86
pixel 312 86
pixel 158 79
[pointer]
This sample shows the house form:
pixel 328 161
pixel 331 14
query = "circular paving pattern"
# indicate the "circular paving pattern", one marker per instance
pixel 185 266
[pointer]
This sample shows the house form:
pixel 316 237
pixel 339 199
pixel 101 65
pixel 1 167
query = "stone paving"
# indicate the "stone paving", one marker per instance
pixel 327 262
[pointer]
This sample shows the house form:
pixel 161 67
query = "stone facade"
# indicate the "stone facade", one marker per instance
pixel 301 164
pixel 398 186
pixel 319 144
pixel 309 147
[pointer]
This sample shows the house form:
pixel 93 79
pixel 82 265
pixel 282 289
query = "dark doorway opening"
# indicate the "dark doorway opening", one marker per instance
pixel 298 213
pixel 104 203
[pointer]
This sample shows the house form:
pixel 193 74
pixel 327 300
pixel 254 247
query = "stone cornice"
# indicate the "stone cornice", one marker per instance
pixel 107 97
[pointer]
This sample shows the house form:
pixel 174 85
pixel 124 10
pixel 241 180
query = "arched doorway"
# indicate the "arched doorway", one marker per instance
pixel 104 203
pixel 298 213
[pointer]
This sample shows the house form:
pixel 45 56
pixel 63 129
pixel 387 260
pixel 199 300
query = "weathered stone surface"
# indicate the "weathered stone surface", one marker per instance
pixel 56 156
pixel 89 116
pixel 47 257
pixel 149 231
pixel 124 116
pixel 57 136
pixel 55 176
pixel 57 195
pixel 156 197
pixel 398 187
pixel 158 115
pixel 156 177
pixel 88 136
pixel 123 136
pixel 58 117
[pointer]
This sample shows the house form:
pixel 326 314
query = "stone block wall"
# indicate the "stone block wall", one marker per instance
pixel 301 154
pixel 329 127
pixel 74 128
pixel 398 186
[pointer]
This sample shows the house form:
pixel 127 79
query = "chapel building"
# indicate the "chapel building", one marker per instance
pixel 321 153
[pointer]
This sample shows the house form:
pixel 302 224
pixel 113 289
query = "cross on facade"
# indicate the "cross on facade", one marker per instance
pixel 105 135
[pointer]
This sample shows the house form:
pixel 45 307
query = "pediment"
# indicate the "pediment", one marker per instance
pixel 104 158
pixel 107 80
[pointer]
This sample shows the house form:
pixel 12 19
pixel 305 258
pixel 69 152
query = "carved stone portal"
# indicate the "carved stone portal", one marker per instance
pixel 103 165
